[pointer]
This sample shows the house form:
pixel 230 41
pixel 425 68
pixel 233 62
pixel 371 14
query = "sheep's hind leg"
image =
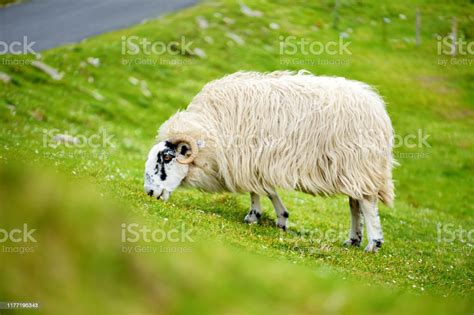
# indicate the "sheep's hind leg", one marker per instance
pixel 255 211
pixel 280 210
pixel 357 225
pixel 369 209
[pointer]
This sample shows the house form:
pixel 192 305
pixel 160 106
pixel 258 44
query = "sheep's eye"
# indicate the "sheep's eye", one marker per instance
pixel 167 157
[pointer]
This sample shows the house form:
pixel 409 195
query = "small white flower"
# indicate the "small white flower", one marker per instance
pixel 97 95
pixel 228 20
pixel 236 38
pixel 144 88
pixel 209 40
pixel 62 138
pixel 343 35
pixel 200 53
pixel 94 61
pixel 202 22
pixel 5 78
pixel 249 12
pixel 274 26
pixel 133 80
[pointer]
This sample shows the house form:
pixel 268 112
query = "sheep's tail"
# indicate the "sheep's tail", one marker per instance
pixel 387 194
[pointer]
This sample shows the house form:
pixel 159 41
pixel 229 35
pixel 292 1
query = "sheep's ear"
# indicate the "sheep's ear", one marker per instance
pixel 183 149
pixel 201 144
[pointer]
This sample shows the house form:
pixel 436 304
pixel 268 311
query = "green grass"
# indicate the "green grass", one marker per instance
pixel 233 267
pixel 5 2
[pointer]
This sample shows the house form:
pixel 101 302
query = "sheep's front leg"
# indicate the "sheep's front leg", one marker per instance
pixel 255 211
pixel 280 210
pixel 357 225
pixel 368 205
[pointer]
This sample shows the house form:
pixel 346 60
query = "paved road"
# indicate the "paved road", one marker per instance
pixel 51 23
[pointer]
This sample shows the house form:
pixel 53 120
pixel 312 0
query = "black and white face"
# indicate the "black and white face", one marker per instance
pixel 163 172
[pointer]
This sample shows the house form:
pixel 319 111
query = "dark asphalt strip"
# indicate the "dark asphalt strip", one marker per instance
pixel 50 23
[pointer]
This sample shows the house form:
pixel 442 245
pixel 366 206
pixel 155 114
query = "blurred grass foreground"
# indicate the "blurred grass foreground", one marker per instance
pixel 76 261
pixel 79 236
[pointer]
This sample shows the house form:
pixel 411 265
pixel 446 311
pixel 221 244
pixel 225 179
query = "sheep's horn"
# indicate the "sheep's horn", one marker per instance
pixel 189 141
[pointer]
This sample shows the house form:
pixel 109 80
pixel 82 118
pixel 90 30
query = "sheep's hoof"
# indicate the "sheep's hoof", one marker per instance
pixel 281 226
pixel 374 246
pixel 252 217
pixel 352 242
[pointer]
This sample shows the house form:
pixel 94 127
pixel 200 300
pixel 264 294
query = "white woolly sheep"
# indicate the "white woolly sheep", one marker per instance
pixel 254 132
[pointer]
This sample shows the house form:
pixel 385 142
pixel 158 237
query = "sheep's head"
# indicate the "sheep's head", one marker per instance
pixel 168 164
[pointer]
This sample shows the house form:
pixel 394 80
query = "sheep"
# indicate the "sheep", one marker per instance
pixel 259 132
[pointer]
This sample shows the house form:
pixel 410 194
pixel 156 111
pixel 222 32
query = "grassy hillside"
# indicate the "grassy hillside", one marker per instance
pixel 109 92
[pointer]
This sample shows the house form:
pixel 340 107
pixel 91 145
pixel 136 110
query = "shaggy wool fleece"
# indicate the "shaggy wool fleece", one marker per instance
pixel 316 134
